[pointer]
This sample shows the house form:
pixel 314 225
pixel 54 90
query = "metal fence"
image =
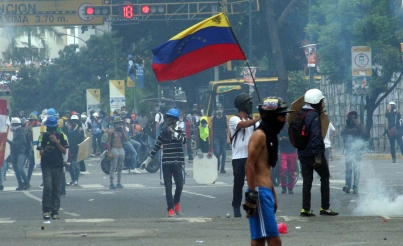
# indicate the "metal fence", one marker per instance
pixel 339 103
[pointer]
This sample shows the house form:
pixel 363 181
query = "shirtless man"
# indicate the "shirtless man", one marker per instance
pixel 116 138
pixel 262 154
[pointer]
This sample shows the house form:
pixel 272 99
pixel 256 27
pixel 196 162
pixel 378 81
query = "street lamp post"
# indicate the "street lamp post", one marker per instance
pixel 311 69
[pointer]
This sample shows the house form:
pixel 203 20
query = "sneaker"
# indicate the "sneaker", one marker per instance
pixel 119 186
pixel 283 190
pixel 178 208
pixel 112 186
pixel 136 171
pixel 237 212
pixel 1 187
pixel 171 212
pixel 55 217
pixel 355 190
pixel 190 161
pixel 71 183
pixel 346 189
pixel 46 216
pixel 223 171
pixel 27 186
pixel 41 185
pixel 75 183
pixel 307 213
pixel 92 155
pixel 328 212
pixel 290 191
pixel 20 187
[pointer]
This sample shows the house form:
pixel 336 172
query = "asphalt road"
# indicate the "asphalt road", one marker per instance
pixel 92 214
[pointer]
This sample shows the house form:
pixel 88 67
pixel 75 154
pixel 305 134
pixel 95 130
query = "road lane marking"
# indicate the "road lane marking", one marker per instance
pixel 92 186
pixel 72 214
pixel 28 194
pixel 88 220
pixel 6 221
pixel 197 194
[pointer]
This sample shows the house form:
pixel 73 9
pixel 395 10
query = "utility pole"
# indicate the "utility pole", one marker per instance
pixel 311 69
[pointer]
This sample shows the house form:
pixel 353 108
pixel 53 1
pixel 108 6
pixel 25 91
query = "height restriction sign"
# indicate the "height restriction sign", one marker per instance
pixel 361 61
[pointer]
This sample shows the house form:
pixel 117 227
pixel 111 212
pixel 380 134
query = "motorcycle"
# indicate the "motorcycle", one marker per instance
pixel 142 155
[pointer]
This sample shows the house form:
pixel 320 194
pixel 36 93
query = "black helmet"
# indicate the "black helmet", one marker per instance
pixel 240 99
pixel 273 106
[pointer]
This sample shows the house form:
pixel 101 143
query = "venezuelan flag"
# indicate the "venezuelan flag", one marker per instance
pixel 207 44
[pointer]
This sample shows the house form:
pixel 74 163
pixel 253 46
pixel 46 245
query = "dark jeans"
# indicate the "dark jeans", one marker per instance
pixel 74 168
pixel 82 166
pixel 18 166
pixel 220 150
pixel 307 175
pixel 189 148
pixel 238 166
pixel 175 171
pixel 31 160
pixel 398 139
pixel 52 183
pixel 96 142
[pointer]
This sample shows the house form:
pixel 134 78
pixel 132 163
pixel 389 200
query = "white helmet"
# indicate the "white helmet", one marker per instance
pixel 83 117
pixel 96 115
pixel 313 96
pixel 15 120
pixel 392 103
pixel 74 117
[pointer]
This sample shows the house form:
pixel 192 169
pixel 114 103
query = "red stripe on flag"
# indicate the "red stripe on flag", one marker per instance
pixel 198 61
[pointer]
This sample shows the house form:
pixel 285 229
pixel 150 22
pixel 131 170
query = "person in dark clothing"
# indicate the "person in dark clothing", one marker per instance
pixel 219 127
pixel 17 147
pixel 75 136
pixel 32 122
pixel 394 129
pixel 288 156
pixel 354 144
pixel 52 146
pixel 313 156
pixel 172 159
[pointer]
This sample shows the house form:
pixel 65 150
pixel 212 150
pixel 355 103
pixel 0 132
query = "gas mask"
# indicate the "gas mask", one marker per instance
pixel 14 127
pixel 118 126
pixel 219 113
pixel 247 107
pixel 274 124
pixel 51 129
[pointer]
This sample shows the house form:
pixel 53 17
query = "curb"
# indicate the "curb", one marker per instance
pixel 373 156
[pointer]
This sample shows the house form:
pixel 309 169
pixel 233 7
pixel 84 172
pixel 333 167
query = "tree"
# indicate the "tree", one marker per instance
pixel 339 25
pixel 15 34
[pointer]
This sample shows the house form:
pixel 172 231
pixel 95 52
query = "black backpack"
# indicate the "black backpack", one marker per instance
pixel 297 131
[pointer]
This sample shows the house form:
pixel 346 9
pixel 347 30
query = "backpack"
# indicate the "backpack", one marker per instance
pixel 297 131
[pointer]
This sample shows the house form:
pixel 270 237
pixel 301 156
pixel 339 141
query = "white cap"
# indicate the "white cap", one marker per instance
pixel 392 103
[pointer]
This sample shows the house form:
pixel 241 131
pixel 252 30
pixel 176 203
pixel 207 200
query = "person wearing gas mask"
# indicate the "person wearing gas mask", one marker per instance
pixel 241 128
pixel 394 129
pixel 116 139
pixel 52 145
pixel 220 139
pixel 354 144
pixel 18 154
pixel 172 159
pixel 261 199
pixel 313 156
pixel 75 136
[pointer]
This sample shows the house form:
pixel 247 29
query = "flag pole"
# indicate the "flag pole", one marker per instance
pixel 247 62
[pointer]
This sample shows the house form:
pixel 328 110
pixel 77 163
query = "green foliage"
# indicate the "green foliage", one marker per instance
pixel 298 85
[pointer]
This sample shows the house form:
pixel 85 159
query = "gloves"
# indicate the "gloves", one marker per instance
pixel 199 153
pixel 175 134
pixel 110 156
pixel 145 163
pixel 250 205
pixel 210 153
pixel 318 161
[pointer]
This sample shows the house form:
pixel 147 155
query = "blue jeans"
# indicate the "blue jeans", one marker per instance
pixel 18 164
pixel 128 146
pixel 220 149
pixel 74 168
pixel 31 159
pixel 96 140
pixel 353 164
pixel 175 171
pixel 52 183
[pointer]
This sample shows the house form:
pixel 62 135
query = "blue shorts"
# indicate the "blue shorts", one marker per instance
pixel 263 223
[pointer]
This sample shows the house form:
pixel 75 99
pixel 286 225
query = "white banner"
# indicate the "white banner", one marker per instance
pixel 93 100
pixel 36 132
pixel 84 149
pixel 117 97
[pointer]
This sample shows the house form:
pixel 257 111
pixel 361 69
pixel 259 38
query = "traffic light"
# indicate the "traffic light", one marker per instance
pixel 127 11
pixel 153 9
pixel 97 10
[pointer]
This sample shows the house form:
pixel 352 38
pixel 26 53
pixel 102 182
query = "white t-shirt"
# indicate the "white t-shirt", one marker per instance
pixel 240 144
pixel 330 131
pixel 157 118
